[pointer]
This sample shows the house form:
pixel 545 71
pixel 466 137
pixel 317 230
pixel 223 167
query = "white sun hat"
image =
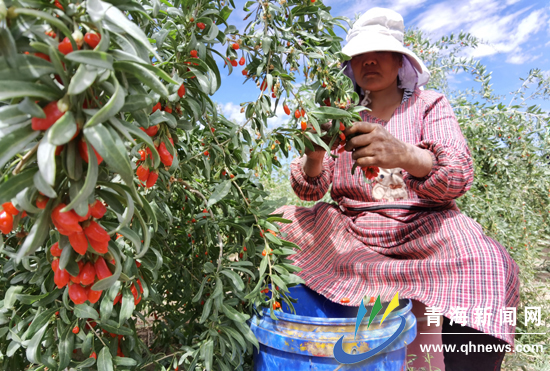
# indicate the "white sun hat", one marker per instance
pixel 382 29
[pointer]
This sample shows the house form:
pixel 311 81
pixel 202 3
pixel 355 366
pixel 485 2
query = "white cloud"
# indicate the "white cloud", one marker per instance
pixel 232 112
pixel 520 57
pixel 500 30
pixel 353 7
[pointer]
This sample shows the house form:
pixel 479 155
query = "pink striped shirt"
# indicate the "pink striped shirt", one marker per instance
pixel 426 120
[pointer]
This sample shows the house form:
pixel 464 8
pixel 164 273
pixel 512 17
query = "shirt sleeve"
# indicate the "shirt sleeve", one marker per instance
pixel 311 188
pixel 452 171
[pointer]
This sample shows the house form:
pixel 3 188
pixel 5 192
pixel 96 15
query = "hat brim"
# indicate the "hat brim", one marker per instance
pixel 379 43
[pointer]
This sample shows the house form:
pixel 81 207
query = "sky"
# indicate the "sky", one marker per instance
pixel 516 35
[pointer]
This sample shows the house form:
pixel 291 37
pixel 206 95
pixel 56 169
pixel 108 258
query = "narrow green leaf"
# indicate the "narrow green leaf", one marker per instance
pixel 235 278
pixel 46 160
pixel 111 108
pixel 52 21
pixel 91 57
pixel 7 46
pixel 11 296
pixel 83 78
pixel 118 18
pixel 142 74
pixel 220 192
pixel 14 142
pixel 29 106
pixel 120 124
pixel 89 183
pixel 127 307
pixel 33 349
pixel 208 354
pixel 10 89
pixel 104 360
pixel 85 311
pixel 40 320
pixel 234 314
pixel 206 310
pixel 103 142
pixel 10 188
pixel 62 130
pixel 66 346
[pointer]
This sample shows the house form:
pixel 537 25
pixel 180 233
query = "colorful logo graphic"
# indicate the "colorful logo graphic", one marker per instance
pixel 348 359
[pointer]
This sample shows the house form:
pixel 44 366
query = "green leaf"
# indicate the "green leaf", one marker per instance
pixel 135 102
pixel 89 183
pixel 10 188
pixel 11 296
pixel 46 160
pixel 10 89
pixel 322 113
pixel 63 130
pixel 39 321
pixel 127 307
pixel 66 346
pixel 52 21
pixel 7 46
pixel 197 297
pixel 266 44
pixel 124 361
pixel 86 364
pixel 219 193
pixel 234 314
pixel 85 311
pixel 29 106
pixel 104 360
pixel 279 282
pixel 111 108
pixel 33 349
pixel 103 142
pixel 208 354
pixel 142 74
pixel 206 310
pixel 119 19
pixel 93 58
pixel 83 78
pixel 247 333
pixel 235 278
pixel 14 142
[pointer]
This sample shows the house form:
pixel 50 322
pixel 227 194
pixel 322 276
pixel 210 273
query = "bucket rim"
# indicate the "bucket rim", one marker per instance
pixel 337 321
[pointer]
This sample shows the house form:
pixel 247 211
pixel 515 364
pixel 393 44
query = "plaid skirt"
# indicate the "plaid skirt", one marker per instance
pixel 440 258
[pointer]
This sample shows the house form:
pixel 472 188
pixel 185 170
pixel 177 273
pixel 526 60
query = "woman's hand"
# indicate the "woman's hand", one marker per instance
pixel 319 152
pixel 373 145
pixel 313 166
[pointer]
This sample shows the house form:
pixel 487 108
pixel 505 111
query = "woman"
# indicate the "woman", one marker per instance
pixel 403 232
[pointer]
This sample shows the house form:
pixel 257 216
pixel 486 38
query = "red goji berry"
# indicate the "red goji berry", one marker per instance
pixel 92 39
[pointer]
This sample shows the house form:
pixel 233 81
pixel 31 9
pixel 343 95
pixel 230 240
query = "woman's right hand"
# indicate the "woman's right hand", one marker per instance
pixel 319 152
pixel 313 166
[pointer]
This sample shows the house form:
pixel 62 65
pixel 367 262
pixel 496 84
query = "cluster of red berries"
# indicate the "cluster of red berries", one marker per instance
pixel 6 217
pixel 81 230
pixel 80 286
pixel 144 172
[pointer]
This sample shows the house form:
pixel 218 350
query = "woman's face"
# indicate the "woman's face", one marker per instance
pixel 375 71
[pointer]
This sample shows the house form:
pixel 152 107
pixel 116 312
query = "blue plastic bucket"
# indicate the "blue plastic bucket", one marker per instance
pixel 305 340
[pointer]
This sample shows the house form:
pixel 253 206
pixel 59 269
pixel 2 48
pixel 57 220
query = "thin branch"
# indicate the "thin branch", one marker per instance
pixel 25 158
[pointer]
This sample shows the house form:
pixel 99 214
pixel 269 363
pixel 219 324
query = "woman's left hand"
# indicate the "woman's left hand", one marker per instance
pixel 373 145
